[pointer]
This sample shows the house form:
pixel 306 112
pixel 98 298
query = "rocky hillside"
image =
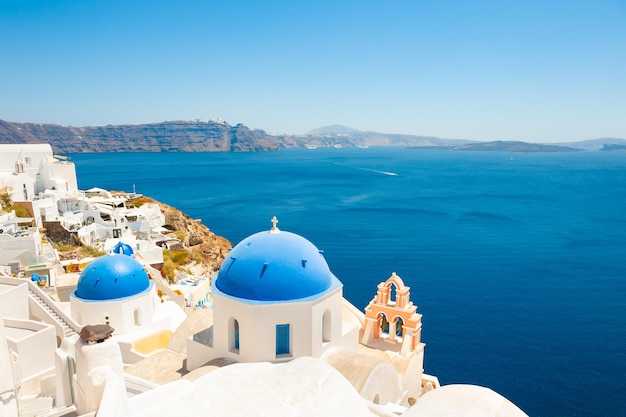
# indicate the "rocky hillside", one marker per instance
pixel 197 136
pixel 197 239
pixel 613 148
pixel 595 144
pixel 219 136
pixel 201 251
pixel 513 146
pixel 346 136
pixel 178 136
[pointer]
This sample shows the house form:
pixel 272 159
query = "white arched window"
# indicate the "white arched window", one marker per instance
pixel 137 316
pixel 326 327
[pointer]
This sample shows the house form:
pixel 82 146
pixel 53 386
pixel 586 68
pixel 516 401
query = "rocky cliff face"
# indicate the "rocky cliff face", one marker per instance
pixel 196 136
pixel 198 239
pixel 178 136
pixel 219 136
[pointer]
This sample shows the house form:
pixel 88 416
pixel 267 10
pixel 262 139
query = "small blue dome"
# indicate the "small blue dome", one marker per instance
pixel 112 276
pixel 274 266
pixel 123 248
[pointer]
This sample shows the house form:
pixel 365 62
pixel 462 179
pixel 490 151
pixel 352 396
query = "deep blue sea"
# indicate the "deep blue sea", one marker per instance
pixel 516 261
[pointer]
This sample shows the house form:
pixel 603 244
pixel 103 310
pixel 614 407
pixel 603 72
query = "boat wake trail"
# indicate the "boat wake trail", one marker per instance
pixel 376 171
pixel 393 174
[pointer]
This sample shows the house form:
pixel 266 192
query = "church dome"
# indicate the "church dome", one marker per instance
pixel 123 248
pixel 275 266
pixel 110 277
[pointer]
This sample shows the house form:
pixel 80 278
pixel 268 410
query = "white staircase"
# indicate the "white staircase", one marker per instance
pixel 44 302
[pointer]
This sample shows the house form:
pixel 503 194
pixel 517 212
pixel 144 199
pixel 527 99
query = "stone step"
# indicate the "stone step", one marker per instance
pixel 67 329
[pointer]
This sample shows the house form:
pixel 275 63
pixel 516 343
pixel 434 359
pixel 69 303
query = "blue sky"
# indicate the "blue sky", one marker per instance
pixel 533 70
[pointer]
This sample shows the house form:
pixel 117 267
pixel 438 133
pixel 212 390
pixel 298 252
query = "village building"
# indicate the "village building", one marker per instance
pixel 45 186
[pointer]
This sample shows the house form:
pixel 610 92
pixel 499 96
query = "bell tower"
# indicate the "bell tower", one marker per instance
pixel 392 322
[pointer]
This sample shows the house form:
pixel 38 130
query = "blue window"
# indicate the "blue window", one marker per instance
pixel 283 341
pixel 236 328
pixel 233 335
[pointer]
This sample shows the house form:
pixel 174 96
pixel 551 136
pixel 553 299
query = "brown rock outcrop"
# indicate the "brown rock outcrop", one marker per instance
pixel 201 243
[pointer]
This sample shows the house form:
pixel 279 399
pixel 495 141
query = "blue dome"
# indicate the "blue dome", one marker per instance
pixel 123 248
pixel 112 276
pixel 274 266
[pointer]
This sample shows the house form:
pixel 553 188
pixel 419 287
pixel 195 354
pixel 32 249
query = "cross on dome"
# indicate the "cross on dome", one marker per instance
pixel 274 223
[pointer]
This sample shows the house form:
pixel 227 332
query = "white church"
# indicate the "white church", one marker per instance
pixel 274 299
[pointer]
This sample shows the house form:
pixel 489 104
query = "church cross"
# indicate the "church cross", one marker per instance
pixel 274 222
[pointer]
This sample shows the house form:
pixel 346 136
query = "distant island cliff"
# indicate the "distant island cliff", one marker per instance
pixel 514 146
pixel 220 136
pixel 613 148
pixel 177 136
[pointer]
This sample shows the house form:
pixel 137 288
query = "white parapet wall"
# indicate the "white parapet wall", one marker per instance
pixel 8 391
pixel 33 344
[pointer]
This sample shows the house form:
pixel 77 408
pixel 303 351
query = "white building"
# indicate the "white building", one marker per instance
pixel 46 186
pixel 29 169
pixel 33 177
pixel 115 289
pixel 27 346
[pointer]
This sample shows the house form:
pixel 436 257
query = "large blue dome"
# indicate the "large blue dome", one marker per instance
pixel 112 276
pixel 275 266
